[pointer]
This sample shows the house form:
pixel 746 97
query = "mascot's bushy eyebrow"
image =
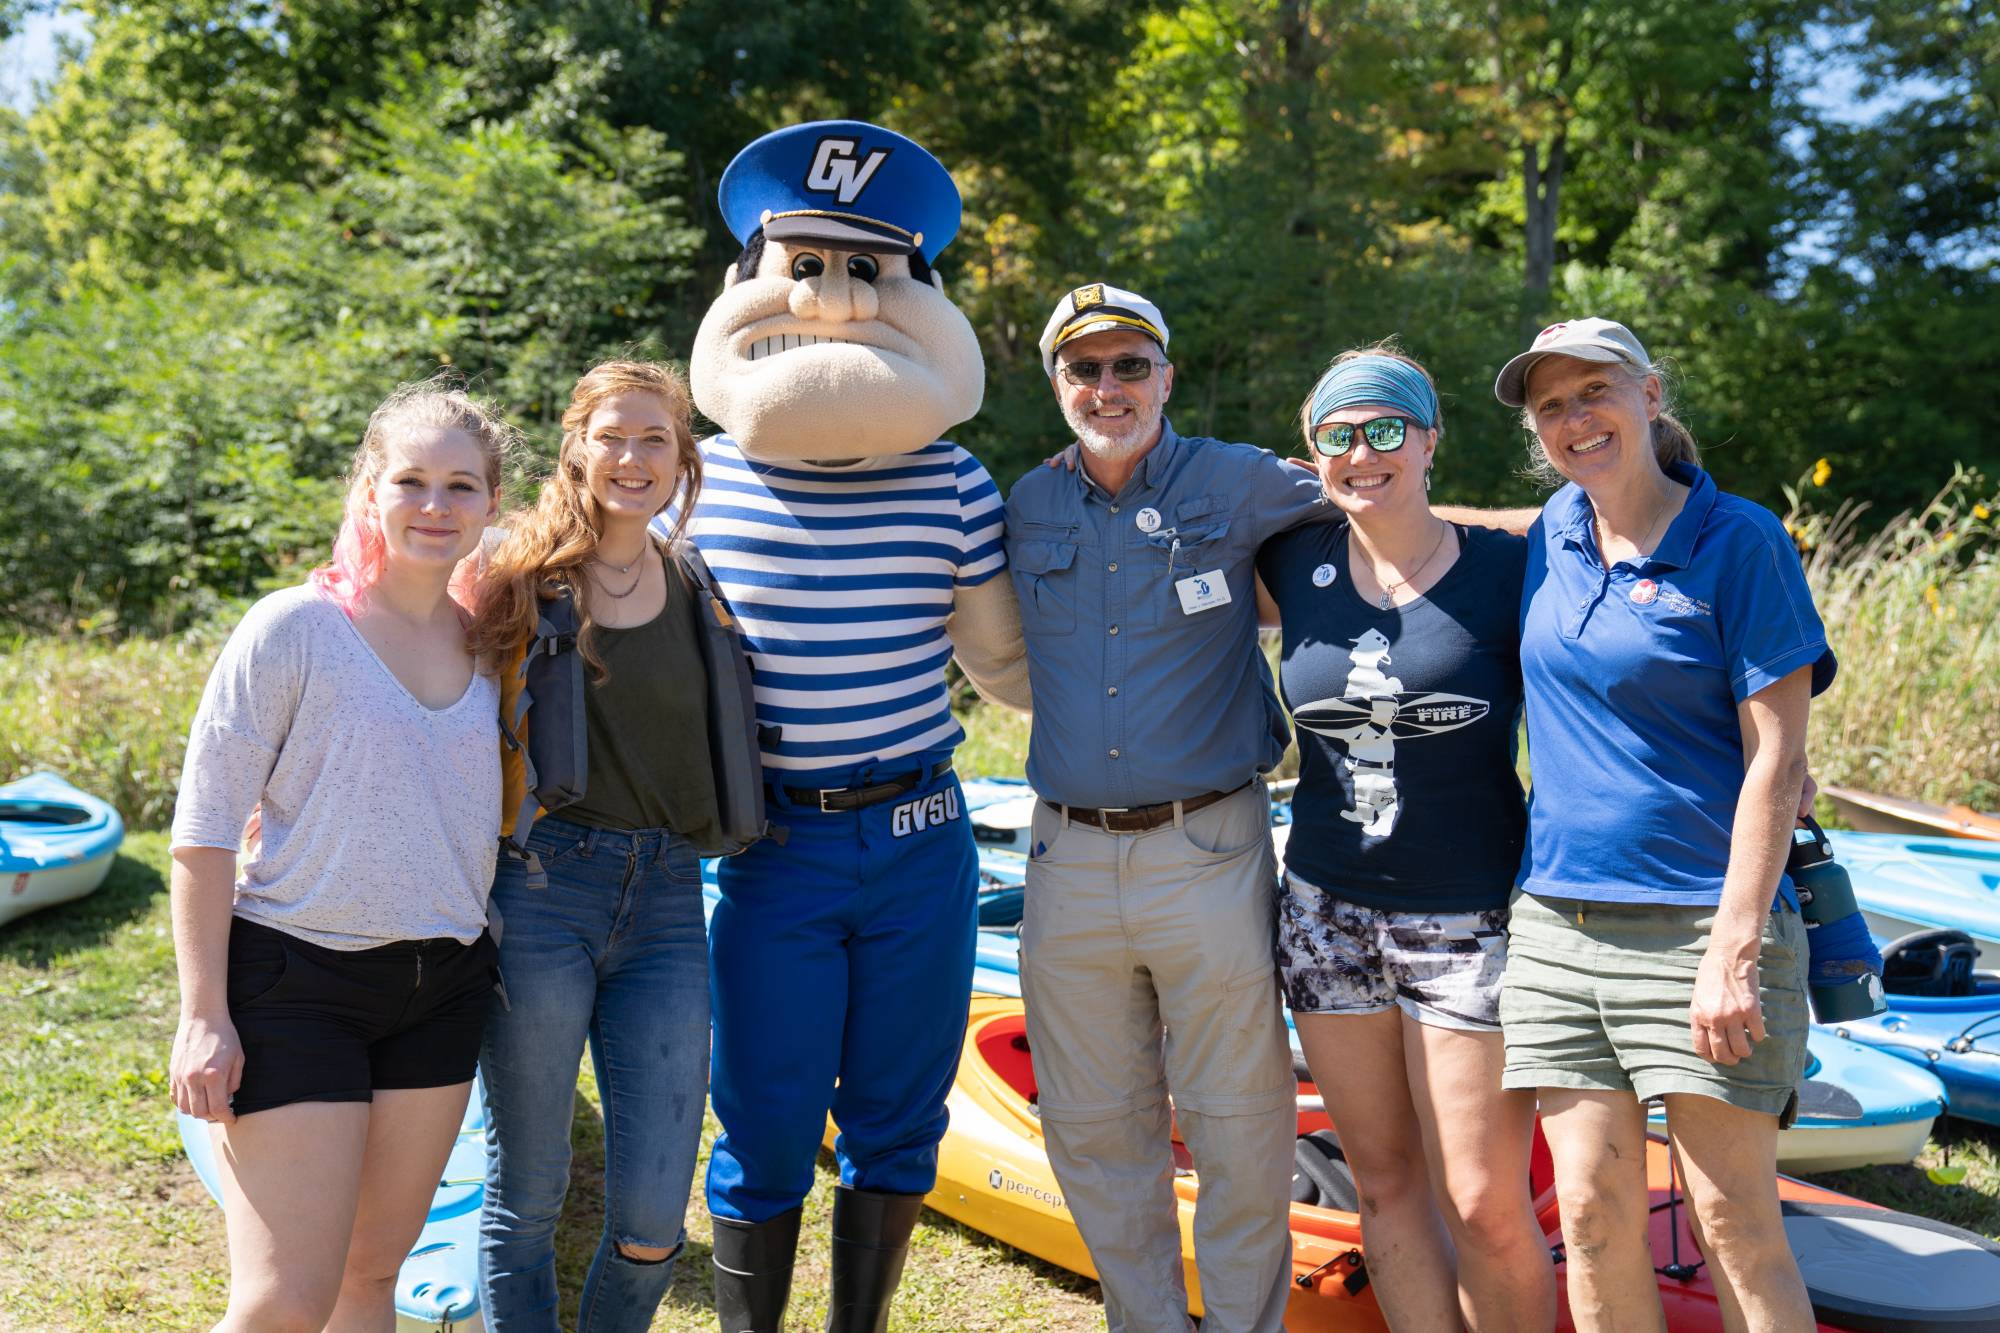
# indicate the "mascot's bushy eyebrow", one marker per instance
pixel 859 552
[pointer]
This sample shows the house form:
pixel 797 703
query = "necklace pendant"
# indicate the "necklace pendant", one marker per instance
pixel 1383 605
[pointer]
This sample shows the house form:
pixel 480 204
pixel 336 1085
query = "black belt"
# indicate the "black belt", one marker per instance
pixel 831 799
pixel 1139 818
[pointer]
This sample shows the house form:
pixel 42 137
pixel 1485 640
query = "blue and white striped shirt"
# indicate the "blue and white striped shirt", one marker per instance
pixel 842 578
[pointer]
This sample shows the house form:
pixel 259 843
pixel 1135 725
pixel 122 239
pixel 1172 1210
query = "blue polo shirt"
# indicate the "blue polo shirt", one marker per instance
pixel 1632 678
pixel 1137 699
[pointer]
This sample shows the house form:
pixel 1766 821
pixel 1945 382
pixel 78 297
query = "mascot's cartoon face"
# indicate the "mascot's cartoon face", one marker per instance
pixel 832 348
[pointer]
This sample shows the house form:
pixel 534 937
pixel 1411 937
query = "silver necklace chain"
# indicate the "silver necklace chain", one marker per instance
pixel 1389 589
pixel 609 591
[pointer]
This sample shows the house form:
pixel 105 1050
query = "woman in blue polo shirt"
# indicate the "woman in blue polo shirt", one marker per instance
pixel 1669 653
pixel 1401 668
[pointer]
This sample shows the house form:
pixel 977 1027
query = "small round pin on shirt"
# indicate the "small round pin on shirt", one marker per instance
pixel 1645 591
pixel 1148 519
pixel 1323 576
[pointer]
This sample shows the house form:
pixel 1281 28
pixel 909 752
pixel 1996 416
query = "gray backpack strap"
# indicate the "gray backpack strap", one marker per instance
pixel 552 673
pixel 515 844
pixel 734 739
pixel 555 759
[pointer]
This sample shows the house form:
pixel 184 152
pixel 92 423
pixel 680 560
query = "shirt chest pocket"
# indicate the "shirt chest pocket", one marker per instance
pixel 1197 541
pixel 1045 584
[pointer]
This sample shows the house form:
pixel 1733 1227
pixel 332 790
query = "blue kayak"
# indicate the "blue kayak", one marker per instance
pixel 1944 1001
pixel 438 1287
pixel 56 843
pixel 1955 1037
pixel 1907 884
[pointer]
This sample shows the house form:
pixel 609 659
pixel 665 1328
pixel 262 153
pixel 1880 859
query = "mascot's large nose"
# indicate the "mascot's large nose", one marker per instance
pixel 836 297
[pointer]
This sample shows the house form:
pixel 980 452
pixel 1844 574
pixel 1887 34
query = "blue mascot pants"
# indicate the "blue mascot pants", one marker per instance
pixel 840 968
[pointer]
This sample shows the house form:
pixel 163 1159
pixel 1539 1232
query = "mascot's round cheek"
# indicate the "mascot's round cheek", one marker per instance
pixel 839 401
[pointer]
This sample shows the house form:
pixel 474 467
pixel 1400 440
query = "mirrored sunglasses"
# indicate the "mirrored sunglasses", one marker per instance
pixel 1385 435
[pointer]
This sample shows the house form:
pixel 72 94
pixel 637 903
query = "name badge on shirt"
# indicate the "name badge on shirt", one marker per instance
pixel 1201 592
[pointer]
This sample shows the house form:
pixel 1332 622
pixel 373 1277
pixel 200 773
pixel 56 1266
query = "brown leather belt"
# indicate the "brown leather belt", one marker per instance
pixel 1139 818
pixel 831 800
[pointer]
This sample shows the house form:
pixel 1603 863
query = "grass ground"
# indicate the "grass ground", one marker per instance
pixel 103 1225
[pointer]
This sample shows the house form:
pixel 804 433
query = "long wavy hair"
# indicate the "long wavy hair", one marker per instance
pixel 359 551
pixel 546 548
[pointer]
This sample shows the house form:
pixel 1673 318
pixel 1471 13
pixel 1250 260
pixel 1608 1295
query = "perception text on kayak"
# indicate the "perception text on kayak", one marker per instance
pixel 1008 1185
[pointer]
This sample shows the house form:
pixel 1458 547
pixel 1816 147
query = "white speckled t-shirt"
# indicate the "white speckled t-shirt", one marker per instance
pixel 381 817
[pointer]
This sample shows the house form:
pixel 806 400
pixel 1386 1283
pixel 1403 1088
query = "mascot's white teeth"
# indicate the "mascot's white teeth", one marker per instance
pixel 785 342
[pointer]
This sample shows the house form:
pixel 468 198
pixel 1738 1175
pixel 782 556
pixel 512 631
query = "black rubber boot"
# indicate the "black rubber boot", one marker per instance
pixel 871 1234
pixel 753 1272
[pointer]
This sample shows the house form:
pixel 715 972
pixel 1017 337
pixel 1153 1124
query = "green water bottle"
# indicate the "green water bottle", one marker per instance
pixel 1844 978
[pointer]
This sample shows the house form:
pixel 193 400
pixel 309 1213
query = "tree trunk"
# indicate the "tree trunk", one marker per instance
pixel 1541 182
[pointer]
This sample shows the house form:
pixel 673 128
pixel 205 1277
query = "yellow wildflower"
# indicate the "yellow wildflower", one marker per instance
pixel 1981 512
pixel 1821 471
pixel 1931 596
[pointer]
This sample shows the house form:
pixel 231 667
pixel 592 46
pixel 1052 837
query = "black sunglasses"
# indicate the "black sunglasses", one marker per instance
pixel 1384 435
pixel 1127 368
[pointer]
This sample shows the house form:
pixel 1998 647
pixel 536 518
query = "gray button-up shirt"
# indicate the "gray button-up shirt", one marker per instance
pixel 1138 700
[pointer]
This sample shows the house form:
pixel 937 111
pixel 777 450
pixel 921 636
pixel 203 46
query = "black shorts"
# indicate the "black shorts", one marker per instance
pixel 333 1025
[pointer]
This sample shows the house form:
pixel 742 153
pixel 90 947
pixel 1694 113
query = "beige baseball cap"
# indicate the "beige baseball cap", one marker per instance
pixel 1585 339
pixel 1094 308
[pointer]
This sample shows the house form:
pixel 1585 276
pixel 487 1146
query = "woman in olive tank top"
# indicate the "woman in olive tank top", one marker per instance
pixel 613 952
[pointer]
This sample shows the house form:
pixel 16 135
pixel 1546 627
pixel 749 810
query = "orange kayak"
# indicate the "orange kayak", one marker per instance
pixel 994 1176
pixel 1872 812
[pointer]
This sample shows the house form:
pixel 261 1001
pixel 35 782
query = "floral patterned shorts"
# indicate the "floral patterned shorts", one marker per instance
pixel 1441 968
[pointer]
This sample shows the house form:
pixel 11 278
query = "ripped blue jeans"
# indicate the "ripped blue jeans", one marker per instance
pixel 614 952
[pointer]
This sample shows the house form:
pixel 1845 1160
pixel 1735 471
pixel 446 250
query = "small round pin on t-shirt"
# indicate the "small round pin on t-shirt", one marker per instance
pixel 1148 519
pixel 1323 576
pixel 1645 591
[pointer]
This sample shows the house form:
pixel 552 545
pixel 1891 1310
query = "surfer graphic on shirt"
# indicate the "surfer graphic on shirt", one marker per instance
pixel 1372 714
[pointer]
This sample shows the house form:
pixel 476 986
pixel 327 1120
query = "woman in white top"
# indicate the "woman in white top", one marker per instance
pixel 334 985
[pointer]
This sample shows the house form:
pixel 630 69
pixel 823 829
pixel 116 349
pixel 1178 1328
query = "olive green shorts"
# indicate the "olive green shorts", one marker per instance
pixel 1601 1003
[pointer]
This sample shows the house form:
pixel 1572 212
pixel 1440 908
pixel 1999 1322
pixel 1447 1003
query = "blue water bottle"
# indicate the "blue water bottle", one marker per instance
pixel 1844 979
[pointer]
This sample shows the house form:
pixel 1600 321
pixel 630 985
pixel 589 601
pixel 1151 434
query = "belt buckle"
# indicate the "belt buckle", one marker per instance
pixel 825 792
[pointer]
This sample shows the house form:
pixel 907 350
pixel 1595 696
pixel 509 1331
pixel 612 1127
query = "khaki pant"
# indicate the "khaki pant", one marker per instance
pixel 1129 939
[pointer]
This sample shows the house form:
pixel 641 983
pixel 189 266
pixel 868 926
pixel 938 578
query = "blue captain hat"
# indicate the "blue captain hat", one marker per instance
pixel 841 183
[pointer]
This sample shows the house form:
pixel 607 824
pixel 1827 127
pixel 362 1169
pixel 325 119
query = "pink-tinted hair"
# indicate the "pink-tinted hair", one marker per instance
pixel 360 551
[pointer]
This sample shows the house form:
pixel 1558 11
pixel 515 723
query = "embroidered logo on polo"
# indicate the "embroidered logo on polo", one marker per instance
pixel 940 807
pixel 839 170
pixel 1374 713
pixel 1648 593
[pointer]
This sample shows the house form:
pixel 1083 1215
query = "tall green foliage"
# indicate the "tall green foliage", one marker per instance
pixel 234 224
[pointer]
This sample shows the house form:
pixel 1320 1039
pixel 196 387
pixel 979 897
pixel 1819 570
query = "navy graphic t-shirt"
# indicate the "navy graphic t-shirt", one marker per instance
pixel 1407 799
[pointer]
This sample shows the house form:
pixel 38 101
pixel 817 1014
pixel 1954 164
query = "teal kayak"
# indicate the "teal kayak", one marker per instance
pixel 438 1287
pixel 56 843
pixel 1906 884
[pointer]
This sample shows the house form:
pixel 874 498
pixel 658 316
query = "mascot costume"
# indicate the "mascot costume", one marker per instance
pixel 859 552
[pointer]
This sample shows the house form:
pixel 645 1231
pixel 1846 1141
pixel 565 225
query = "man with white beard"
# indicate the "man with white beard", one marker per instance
pixel 1146 952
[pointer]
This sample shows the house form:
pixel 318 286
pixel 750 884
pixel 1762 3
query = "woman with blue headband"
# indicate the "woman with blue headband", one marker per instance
pixel 1400 666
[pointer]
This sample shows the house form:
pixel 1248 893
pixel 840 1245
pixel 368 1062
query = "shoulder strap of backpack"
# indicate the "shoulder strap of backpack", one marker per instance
pixel 555 633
